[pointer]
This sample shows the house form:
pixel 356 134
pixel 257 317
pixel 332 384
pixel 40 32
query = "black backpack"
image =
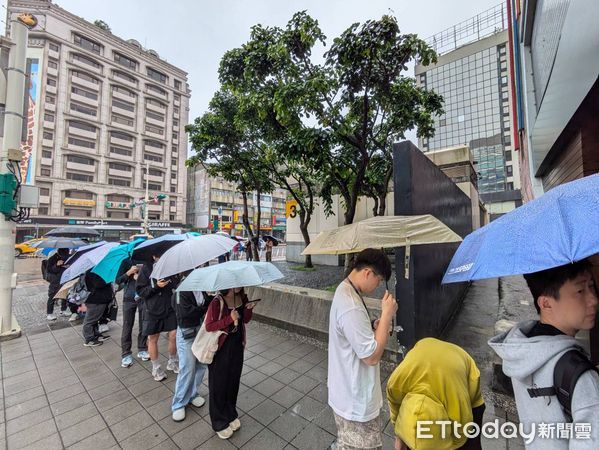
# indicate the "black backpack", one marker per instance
pixel 566 373
pixel 45 274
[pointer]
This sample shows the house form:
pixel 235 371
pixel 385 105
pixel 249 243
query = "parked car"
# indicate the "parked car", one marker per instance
pixel 25 248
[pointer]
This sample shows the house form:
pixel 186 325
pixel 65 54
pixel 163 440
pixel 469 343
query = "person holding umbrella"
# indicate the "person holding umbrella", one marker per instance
pixel 157 316
pixel 269 246
pixel 55 266
pixel 100 296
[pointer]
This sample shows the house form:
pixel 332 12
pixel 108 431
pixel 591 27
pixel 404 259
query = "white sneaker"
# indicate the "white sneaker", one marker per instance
pixel 225 434
pixel 74 317
pixel 179 415
pixel 235 425
pixel 51 317
pixel 198 402
pixel 158 374
pixel 173 366
pixel 103 328
pixel 65 313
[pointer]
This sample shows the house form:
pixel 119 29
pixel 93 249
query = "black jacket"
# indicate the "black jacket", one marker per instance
pixel 100 291
pixel 54 271
pixel 157 301
pixel 129 289
pixel 189 313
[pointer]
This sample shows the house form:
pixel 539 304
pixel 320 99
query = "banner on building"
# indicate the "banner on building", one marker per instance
pixel 29 124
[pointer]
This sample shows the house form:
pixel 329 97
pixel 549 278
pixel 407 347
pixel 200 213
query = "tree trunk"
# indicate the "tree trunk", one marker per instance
pixel 304 222
pixel 375 210
pixel 382 201
pixel 256 248
pixel 245 218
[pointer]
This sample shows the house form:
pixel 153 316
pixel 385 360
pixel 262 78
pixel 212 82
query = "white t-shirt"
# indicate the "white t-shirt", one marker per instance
pixel 354 387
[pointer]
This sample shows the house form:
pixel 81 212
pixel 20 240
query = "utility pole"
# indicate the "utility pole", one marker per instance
pixel 13 90
pixel 147 200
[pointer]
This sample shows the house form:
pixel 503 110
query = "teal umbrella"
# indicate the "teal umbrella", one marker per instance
pixel 108 268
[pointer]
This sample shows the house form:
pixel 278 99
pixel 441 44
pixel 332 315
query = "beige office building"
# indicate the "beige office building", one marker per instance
pixel 101 109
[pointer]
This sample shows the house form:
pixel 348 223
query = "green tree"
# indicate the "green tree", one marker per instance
pixel 354 104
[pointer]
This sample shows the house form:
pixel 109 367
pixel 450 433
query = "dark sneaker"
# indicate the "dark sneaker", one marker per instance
pixel 103 337
pixel 92 343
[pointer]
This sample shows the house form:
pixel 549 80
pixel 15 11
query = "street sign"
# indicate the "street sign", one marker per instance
pixel 291 208
pixel 220 211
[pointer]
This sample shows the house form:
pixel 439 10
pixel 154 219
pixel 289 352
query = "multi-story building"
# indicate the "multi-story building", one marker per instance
pixel 473 76
pixel 214 204
pixel 106 116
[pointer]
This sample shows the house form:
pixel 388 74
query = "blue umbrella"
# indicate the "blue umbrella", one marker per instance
pixel 157 246
pixel 86 262
pixel 109 266
pixel 558 228
pixel 230 274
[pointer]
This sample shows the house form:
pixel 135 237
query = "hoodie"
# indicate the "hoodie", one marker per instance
pixel 530 362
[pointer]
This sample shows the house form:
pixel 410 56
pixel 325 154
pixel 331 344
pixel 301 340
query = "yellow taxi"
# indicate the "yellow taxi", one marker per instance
pixel 25 247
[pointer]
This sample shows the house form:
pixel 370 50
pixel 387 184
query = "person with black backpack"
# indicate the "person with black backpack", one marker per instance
pixel 53 268
pixel 554 381
pixel 100 296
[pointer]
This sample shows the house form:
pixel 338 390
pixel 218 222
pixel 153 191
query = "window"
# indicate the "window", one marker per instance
pixel 84 76
pixel 150 157
pixel 119 166
pixel 82 142
pixel 51 81
pixel 80 160
pixel 125 61
pixel 175 136
pixel 83 109
pixel 122 120
pixel 156 89
pixel 119 182
pixel 174 162
pixel 83 195
pixel 178 85
pixel 54 47
pixel 155 75
pixel 42 210
pixel 120 151
pixel 85 60
pixel 84 92
pixel 48 135
pixel 118 198
pixel 87 178
pixel 176 109
pixel 77 212
pixel 82 126
pixel 154 187
pixel 175 123
pixel 87 43
pixel 153 129
pixel 50 99
pixel 123 105
pixel 46 154
pixel 153 216
pixel 155 173
pixel 171 217
pixel 177 97
pixel 52 64
pixel 155 144
pixel 173 203
pixel 49 117
pixel 117 214
pixel 151 101
pixel 45 172
pixel 173 175
pixel 155 116
pixel 122 136
pixel 173 188
pixel 510 170
pixel 124 76
pixel 122 90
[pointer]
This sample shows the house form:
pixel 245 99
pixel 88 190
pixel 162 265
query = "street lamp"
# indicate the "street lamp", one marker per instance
pixel 146 227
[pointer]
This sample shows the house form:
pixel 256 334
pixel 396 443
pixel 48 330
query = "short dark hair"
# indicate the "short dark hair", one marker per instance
pixel 549 282
pixel 374 259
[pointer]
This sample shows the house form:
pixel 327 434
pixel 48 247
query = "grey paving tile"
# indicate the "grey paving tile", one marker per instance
pixel 28 420
pixel 66 392
pixel 99 441
pixel 82 430
pixel 249 400
pixel 31 434
pixel 78 415
pixel 193 436
pixel 320 393
pixel 23 408
pixel 52 442
pixel 171 427
pixel 131 425
pixel 286 375
pixel 318 373
pixel 266 412
pixel 326 421
pixel 12 400
pixel 301 366
pixel 167 445
pixel 105 390
pixel 249 428
pixel 58 385
pixel 148 438
pixel 216 443
pixel 316 356
pixel 256 362
pixel 288 425
pixel 114 399
pixel 23 366
pixel 304 384
pixel 141 387
pixel 308 408
pixel 312 437
pixel 121 412
pixel 70 404
pixel 389 443
pixel 252 378
pixel 163 409
pixel 268 387
pixel 285 359
pixel 287 397
pixel 160 394
pixel 266 439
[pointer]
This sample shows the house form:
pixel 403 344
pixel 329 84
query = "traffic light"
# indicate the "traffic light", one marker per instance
pixel 215 224
pixel 8 184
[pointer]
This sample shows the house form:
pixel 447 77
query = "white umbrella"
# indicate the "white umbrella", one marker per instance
pixel 230 274
pixel 86 262
pixel 191 253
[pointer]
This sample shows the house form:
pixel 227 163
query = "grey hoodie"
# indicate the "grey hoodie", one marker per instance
pixel 530 363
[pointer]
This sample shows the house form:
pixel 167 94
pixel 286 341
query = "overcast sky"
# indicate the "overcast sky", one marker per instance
pixel 194 34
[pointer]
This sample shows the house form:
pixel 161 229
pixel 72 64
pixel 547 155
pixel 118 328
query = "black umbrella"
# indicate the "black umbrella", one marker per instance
pixel 157 246
pixel 268 237
pixel 61 242
pixel 73 232
pixel 82 251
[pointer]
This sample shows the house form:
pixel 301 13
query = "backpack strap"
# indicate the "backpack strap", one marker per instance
pixel 568 369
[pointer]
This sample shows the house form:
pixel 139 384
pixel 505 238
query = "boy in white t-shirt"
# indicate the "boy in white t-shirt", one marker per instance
pixel 356 346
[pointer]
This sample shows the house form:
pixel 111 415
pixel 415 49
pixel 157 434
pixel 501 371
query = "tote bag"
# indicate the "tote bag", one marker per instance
pixel 205 344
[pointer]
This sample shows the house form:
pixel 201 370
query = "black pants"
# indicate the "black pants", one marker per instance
pixel 224 376
pixel 130 307
pixel 92 318
pixel 477 418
